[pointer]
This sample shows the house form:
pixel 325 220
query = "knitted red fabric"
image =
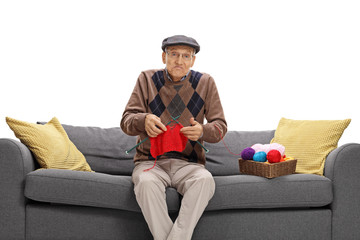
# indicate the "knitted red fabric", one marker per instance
pixel 171 140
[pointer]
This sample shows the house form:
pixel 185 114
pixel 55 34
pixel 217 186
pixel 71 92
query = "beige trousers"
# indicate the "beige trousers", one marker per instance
pixel 191 180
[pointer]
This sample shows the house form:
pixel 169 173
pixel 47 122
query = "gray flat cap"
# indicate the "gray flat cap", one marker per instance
pixel 180 40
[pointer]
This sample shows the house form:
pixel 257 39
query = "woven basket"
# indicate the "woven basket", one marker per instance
pixel 267 170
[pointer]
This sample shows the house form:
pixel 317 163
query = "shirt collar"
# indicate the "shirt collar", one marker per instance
pixel 182 79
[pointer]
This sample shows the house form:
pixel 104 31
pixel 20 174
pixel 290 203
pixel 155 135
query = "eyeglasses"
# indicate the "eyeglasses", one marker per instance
pixel 176 55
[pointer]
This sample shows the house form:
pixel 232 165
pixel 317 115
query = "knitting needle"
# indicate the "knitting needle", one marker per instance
pixel 128 151
pixel 174 119
pixel 206 150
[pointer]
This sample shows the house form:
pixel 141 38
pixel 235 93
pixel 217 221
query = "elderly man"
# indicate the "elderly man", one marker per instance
pixel 185 96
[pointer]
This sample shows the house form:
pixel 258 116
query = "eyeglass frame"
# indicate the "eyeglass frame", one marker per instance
pixel 180 54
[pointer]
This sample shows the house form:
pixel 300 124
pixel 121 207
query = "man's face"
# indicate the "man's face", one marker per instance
pixel 178 59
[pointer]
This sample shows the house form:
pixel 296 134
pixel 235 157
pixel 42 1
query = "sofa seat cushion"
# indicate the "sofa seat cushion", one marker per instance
pixel 295 190
pixel 232 192
pixel 88 189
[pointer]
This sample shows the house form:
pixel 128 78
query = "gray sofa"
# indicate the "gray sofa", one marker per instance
pixel 61 204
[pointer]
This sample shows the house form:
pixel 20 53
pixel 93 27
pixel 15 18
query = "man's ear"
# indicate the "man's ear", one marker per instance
pixel 164 57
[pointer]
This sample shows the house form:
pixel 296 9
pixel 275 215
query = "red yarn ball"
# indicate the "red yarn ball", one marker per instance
pixel 273 156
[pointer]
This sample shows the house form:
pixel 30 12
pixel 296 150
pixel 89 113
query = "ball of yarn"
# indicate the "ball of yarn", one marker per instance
pixel 247 153
pixel 279 147
pixel 258 147
pixel 260 157
pixel 273 156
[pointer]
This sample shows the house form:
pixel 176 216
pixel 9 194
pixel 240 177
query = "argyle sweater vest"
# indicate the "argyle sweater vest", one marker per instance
pixel 196 96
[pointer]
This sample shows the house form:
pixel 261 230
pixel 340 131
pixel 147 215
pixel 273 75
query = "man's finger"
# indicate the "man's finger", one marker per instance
pixel 192 121
pixel 161 126
pixel 186 129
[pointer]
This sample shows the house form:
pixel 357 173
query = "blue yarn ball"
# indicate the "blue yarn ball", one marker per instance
pixel 260 157
pixel 247 153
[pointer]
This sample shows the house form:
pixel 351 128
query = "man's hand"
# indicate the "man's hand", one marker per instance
pixel 194 131
pixel 153 125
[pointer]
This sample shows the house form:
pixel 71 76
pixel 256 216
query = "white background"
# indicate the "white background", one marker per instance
pixel 79 60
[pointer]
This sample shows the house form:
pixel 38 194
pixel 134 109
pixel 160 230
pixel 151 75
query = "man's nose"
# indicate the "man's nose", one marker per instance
pixel 179 59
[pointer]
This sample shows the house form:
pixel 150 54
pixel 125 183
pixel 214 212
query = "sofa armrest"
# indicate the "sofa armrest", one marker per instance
pixel 16 161
pixel 342 166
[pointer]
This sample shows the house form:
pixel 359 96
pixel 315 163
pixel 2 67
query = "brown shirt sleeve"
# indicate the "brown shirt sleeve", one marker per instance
pixel 216 126
pixel 133 118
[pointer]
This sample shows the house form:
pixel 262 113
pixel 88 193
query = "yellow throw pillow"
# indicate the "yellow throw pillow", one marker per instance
pixel 309 141
pixel 50 144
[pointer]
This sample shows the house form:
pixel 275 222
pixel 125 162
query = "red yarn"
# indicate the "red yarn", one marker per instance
pixel 170 140
pixel 273 156
pixel 152 166
pixel 225 144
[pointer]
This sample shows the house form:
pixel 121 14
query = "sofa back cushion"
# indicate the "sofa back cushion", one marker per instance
pixel 104 149
pixel 220 162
